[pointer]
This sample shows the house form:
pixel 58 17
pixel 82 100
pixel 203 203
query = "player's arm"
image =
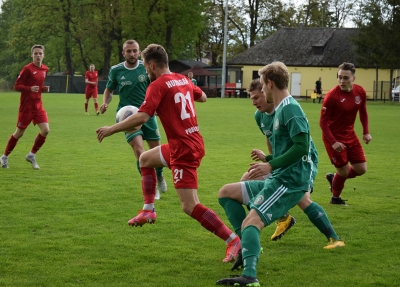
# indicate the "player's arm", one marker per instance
pixel 107 97
pixel 326 111
pixel 294 154
pixel 127 124
pixel 20 82
pixel 364 121
pixel 199 95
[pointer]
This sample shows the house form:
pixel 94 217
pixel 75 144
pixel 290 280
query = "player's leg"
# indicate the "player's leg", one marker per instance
pixel 152 135
pixel 209 220
pixel 95 101
pixel 87 97
pixel 340 161
pixel 40 139
pixel 148 161
pixel 11 143
pixel 271 203
pixel 317 215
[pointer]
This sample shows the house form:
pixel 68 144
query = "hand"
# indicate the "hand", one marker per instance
pixel 259 169
pixel 257 155
pixel 46 89
pixel 103 132
pixel 367 138
pixel 338 146
pixel 103 108
pixel 35 88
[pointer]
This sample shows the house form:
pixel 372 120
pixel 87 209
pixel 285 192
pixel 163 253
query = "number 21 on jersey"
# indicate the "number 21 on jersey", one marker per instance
pixel 185 100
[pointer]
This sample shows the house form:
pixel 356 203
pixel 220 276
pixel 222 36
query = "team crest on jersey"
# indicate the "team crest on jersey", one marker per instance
pixel 259 199
pixel 142 78
pixel 357 100
pixel 276 124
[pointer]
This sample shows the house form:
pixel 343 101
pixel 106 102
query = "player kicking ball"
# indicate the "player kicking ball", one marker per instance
pixel 172 97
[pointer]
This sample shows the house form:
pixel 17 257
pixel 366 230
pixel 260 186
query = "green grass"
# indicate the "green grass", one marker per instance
pixel 66 224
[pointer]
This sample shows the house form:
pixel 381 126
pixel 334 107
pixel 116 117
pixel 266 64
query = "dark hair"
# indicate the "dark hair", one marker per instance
pixel 348 67
pixel 255 85
pixel 37 46
pixel 155 53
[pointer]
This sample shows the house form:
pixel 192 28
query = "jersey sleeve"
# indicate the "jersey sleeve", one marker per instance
pixel 257 117
pixel 326 111
pixel 20 82
pixel 112 83
pixel 197 92
pixel 364 113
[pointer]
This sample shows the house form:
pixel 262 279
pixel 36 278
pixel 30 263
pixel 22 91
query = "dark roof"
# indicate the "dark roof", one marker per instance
pixel 199 71
pixel 178 66
pixel 313 47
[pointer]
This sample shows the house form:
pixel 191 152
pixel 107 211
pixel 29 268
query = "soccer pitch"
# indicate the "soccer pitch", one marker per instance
pixel 66 224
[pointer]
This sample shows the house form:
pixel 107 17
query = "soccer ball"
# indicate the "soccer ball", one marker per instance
pixel 126 112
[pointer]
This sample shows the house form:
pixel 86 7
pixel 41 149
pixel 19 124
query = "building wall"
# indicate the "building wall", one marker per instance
pixel 309 75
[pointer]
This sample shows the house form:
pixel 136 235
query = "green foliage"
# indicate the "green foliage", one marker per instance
pixel 66 224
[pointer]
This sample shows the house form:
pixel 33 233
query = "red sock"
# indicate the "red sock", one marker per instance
pixel 12 142
pixel 148 184
pixel 86 105
pixel 39 141
pixel 96 106
pixel 210 221
pixel 338 185
pixel 352 173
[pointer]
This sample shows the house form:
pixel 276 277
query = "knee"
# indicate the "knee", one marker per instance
pixel 45 132
pixel 223 192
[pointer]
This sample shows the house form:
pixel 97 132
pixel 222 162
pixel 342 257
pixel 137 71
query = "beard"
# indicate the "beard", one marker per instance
pixel 132 61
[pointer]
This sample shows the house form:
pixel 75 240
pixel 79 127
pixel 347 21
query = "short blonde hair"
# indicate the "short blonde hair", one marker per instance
pixel 276 72
pixel 37 46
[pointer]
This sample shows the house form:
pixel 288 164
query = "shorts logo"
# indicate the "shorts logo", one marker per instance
pixel 259 199
pixel 142 78
pixel 276 124
pixel 357 100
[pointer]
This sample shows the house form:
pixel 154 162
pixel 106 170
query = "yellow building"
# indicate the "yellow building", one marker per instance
pixel 310 53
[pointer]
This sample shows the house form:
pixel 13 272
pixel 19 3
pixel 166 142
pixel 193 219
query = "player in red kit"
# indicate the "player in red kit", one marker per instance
pixel 338 114
pixel 30 83
pixel 171 96
pixel 91 80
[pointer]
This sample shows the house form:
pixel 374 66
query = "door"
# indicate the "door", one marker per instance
pixel 295 86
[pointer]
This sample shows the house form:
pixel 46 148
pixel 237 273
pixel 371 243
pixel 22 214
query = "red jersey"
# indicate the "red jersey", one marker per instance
pixel 339 112
pixel 31 75
pixel 172 97
pixel 91 77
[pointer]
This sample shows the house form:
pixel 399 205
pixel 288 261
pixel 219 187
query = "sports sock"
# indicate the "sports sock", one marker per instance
pixel 210 221
pixel 250 250
pixel 159 171
pixel 235 212
pixel 86 106
pixel 39 141
pixel 352 173
pixel 96 106
pixel 318 217
pixel 148 184
pixel 12 142
pixel 338 185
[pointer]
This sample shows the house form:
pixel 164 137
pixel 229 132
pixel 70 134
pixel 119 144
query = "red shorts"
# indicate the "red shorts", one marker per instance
pixel 184 173
pixel 37 117
pixel 91 92
pixel 353 153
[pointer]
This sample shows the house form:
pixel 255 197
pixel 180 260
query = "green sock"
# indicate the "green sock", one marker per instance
pixel 235 212
pixel 318 217
pixel 138 166
pixel 159 171
pixel 250 250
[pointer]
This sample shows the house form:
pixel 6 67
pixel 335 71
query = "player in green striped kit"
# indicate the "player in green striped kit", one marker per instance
pixel 292 171
pixel 131 80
